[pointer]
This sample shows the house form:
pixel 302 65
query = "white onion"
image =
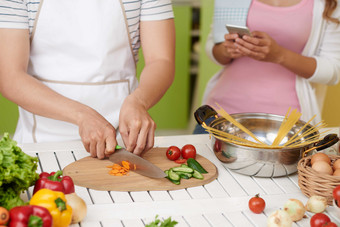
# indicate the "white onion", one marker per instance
pixel 316 204
pixel 295 209
pixel 78 205
pixel 279 218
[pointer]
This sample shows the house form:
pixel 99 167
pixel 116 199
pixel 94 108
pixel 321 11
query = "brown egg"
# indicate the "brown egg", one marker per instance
pixel 336 172
pixel 336 164
pixel 322 167
pixel 320 157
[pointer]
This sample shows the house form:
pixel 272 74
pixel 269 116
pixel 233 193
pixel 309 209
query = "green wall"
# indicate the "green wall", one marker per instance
pixel 8 116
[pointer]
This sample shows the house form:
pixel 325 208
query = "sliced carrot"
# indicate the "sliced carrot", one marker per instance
pixel 118 170
pixel 126 164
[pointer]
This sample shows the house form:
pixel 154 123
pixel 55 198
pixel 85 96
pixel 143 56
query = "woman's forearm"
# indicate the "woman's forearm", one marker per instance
pixel 297 63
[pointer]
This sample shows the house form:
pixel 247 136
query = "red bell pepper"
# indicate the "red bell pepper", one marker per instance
pixel 31 215
pixel 54 182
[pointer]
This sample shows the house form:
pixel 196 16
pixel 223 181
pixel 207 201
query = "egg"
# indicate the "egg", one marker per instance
pixel 336 172
pixel 322 167
pixel 320 157
pixel 336 164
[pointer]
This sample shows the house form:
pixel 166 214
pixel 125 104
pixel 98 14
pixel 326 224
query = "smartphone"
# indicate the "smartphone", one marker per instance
pixel 240 30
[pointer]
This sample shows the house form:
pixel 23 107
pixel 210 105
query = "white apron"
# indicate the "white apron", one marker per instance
pixel 80 49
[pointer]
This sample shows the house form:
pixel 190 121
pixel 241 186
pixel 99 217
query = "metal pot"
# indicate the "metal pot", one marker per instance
pixel 253 161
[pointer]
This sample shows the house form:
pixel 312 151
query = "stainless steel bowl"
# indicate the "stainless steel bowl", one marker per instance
pixel 249 160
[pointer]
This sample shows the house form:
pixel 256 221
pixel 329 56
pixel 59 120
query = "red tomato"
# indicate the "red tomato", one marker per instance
pixel 181 161
pixel 257 204
pixel 319 219
pixel 188 151
pixel 173 153
pixel 330 224
pixel 336 193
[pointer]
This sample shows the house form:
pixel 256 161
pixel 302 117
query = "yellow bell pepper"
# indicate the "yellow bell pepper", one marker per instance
pixel 55 203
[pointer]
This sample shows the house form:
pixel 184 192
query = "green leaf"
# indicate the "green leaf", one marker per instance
pixel 158 223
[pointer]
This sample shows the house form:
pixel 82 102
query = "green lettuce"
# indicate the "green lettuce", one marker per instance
pixel 17 172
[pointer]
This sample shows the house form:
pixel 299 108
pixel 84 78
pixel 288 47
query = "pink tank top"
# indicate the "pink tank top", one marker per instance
pixel 247 85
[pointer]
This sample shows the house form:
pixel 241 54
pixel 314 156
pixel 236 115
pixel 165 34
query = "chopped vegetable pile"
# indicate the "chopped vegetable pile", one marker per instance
pixel 17 172
pixel 118 170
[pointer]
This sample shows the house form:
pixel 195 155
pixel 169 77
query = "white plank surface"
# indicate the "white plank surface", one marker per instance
pixel 223 202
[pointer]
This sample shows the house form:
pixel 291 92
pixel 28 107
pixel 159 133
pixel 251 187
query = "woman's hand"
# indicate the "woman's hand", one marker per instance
pixel 97 134
pixel 136 126
pixel 226 51
pixel 259 47
pixel 230 50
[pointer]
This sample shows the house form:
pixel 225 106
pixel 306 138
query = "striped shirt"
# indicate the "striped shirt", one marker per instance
pixel 21 14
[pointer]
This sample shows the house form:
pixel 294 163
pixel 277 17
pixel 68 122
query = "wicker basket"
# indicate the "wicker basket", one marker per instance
pixel 313 183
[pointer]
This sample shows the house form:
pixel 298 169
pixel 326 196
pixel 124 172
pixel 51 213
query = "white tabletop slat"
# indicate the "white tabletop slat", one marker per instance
pixel 121 197
pixel 196 220
pixel 141 196
pixel 133 223
pixel 238 219
pixel 215 189
pixel 160 196
pixel 90 224
pixel 100 197
pixel 181 194
pixel 217 220
pixel 268 185
pixel 112 223
pixel 198 192
pixel 248 184
pixel 48 162
pixel 286 184
pixel 259 219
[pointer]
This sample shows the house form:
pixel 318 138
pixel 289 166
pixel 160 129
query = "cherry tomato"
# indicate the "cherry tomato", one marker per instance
pixel 181 161
pixel 173 153
pixel 330 224
pixel 188 151
pixel 257 204
pixel 319 219
pixel 4 215
pixel 336 193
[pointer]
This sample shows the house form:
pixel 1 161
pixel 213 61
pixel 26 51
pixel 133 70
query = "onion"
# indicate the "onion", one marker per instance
pixel 316 204
pixel 78 206
pixel 279 218
pixel 295 209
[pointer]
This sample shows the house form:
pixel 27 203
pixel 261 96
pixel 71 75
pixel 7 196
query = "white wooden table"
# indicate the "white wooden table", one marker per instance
pixel 223 202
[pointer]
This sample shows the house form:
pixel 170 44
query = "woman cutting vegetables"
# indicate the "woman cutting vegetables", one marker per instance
pixel 293 52
pixel 71 68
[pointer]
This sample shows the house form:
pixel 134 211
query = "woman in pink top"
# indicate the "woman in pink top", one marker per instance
pixel 263 72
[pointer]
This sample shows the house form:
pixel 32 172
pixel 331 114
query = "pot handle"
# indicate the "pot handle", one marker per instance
pixel 203 113
pixel 326 142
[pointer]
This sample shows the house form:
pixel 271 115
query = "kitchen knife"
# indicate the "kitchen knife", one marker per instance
pixel 137 163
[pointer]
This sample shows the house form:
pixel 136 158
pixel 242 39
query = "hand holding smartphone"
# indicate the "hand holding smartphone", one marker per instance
pixel 240 30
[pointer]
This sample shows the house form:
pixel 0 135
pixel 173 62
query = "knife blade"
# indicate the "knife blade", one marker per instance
pixel 137 163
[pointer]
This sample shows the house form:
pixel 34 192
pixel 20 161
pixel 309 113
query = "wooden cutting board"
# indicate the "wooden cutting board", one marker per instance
pixel 93 173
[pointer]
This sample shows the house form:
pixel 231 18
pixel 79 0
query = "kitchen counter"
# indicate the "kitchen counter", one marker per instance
pixel 223 202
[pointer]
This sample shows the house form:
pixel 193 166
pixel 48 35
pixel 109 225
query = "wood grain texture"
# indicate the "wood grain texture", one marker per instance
pixel 93 173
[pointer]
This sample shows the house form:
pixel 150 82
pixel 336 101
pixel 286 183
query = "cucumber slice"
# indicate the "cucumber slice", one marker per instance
pixel 173 176
pixel 183 169
pixel 197 175
pixel 192 163
pixel 184 175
